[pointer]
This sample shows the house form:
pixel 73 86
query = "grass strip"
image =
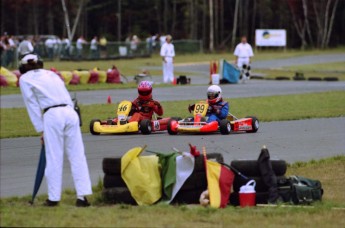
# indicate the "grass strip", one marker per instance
pixel 15 211
pixel 15 122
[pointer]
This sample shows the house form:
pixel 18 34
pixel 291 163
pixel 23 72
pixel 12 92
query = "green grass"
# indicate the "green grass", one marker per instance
pixel 15 121
pixel 15 211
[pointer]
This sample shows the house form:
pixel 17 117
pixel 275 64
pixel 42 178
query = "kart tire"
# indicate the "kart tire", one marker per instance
pixel 92 122
pixel 170 131
pixel 251 167
pixel 199 164
pixel 225 127
pixel 260 185
pixel 111 181
pixel 145 127
pixel 255 124
pixel 118 195
pixel 111 166
pixel 197 180
pixel 188 196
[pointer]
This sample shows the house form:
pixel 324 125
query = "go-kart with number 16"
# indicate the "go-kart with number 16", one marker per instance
pixel 199 124
pixel 122 124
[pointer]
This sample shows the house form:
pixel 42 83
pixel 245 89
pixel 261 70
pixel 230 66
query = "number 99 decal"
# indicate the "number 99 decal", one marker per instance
pixel 200 108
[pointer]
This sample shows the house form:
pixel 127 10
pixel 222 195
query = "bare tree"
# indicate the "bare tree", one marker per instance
pixel 234 28
pixel 70 32
pixel 211 44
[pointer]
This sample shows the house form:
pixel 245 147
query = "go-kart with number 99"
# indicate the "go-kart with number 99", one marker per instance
pixel 198 123
pixel 121 124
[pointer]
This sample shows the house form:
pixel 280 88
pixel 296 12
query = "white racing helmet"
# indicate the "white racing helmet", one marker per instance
pixel 214 94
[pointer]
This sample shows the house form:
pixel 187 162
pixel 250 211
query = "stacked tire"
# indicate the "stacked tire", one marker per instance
pixel 115 190
pixel 250 169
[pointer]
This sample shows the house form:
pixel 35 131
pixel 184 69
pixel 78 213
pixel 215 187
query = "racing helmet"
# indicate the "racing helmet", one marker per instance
pixel 145 90
pixel 30 62
pixel 214 94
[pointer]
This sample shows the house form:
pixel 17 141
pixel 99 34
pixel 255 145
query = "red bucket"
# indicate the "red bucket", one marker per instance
pixel 247 194
pixel 247 199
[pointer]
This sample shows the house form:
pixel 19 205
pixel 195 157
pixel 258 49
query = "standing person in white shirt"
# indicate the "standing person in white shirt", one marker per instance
pixel 168 53
pixel 94 48
pixel 51 111
pixel 25 47
pixel 79 44
pixel 243 53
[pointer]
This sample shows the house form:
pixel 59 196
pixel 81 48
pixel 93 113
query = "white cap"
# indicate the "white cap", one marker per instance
pixel 28 58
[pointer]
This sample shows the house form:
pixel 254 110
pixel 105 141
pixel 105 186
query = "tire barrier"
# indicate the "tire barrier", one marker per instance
pixel 314 79
pixel 8 78
pixel 115 190
pixel 251 167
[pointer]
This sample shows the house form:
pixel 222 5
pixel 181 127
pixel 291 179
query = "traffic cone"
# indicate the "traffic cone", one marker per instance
pixel 109 100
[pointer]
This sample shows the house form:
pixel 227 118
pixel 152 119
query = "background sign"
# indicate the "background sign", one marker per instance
pixel 270 37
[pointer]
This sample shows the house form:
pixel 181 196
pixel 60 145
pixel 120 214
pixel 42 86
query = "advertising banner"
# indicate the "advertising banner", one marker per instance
pixel 270 37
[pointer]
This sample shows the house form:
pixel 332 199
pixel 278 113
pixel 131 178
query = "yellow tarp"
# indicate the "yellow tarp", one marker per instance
pixel 141 174
pixel 11 78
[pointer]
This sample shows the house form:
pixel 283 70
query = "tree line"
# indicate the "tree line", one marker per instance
pixel 218 23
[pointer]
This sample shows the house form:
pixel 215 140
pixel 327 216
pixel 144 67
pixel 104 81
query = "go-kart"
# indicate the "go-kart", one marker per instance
pixel 122 125
pixel 198 123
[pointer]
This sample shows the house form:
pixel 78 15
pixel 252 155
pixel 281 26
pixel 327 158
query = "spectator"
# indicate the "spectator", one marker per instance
pixel 168 53
pixel 49 43
pixel 66 46
pixel 25 47
pixel 134 44
pixel 80 42
pixel 94 48
pixel 51 111
pixel 11 51
pixel 243 53
pixel 4 47
pixel 103 46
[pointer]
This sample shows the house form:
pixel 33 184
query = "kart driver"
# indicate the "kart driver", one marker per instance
pixel 144 106
pixel 218 109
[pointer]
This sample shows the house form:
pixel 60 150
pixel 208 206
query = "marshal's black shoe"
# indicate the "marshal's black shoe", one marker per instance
pixel 50 203
pixel 82 203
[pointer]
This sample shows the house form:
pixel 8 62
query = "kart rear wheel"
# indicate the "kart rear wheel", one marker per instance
pixel 255 124
pixel 170 131
pixel 91 126
pixel 225 127
pixel 145 127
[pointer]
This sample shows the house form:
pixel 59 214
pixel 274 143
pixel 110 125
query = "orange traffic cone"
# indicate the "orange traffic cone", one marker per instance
pixel 109 100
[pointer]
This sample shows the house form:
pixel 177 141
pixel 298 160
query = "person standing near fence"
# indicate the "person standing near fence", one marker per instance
pixel 25 47
pixel 94 48
pixel 243 53
pixel 168 53
pixel 80 42
pixel 51 111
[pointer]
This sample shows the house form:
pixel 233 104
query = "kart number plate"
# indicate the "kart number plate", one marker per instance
pixel 156 125
pixel 200 109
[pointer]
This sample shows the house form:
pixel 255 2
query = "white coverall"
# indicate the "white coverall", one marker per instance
pixel 243 52
pixel 41 89
pixel 168 53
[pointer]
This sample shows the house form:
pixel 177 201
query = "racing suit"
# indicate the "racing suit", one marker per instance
pixel 217 111
pixel 144 109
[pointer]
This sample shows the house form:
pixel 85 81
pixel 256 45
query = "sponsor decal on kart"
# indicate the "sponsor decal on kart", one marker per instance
pixel 156 125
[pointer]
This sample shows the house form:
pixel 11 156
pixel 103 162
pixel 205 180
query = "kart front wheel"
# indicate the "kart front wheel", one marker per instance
pixel 91 126
pixel 145 127
pixel 225 127
pixel 170 130
pixel 255 124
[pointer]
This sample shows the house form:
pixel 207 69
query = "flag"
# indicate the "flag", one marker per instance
pixel 142 177
pixel 175 170
pixel 219 182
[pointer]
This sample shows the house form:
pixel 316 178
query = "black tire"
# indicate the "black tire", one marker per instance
pixel 112 166
pixel 251 167
pixel 280 78
pixel 197 180
pixel 199 164
pixel 188 197
pixel 145 127
pixel 92 122
pixel 225 127
pixel 331 79
pixel 314 79
pixel 117 196
pixel 170 131
pixel 176 118
pixel 255 124
pixel 111 181
pixel 260 184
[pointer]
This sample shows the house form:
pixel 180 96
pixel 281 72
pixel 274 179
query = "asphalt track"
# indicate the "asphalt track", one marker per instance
pixel 300 140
